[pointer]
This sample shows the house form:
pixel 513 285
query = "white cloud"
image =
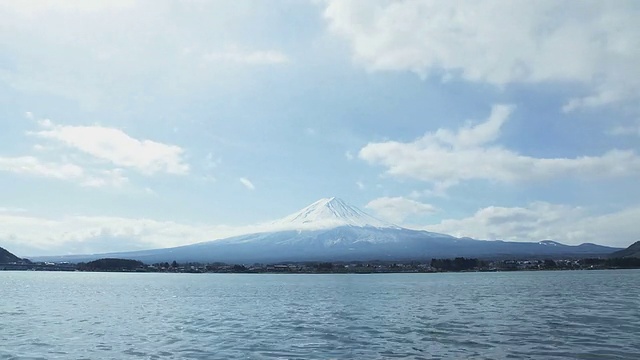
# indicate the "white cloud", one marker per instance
pixel 397 209
pixel 596 44
pixel 541 221
pixel 117 147
pixel 45 123
pixel 248 184
pixel 102 143
pixel 446 157
pixel 360 185
pixel 32 166
pixel 470 136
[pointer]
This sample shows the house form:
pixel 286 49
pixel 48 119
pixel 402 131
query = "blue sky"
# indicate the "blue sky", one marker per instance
pixel 141 124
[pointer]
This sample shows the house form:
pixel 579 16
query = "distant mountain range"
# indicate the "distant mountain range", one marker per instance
pixel 632 251
pixel 332 230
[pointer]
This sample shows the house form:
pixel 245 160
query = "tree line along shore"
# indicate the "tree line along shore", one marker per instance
pixel 459 264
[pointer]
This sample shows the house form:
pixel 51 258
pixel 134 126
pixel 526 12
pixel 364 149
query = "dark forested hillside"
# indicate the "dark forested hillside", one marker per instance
pixel 631 251
pixel 7 257
pixel 110 264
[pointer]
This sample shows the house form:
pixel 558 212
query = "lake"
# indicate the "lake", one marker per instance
pixel 516 315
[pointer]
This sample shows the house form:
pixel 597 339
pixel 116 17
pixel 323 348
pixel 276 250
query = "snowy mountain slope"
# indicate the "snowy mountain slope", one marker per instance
pixel 329 213
pixel 347 243
pixel 332 230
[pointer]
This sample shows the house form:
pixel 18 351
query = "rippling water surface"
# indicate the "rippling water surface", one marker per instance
pixel 538 315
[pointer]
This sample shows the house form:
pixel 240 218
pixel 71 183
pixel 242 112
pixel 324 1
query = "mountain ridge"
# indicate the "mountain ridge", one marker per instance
pixel 7 257
pixel 632 251
pixel 332 230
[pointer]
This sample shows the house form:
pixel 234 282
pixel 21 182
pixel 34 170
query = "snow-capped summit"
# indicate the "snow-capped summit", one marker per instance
pixel 549 243
pixel 329 213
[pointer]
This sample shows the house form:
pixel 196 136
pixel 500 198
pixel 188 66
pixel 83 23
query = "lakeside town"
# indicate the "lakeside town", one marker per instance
pixel 459 264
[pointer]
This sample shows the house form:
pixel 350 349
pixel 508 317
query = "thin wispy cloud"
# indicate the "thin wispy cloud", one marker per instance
pixel 247 183
pixel 34 167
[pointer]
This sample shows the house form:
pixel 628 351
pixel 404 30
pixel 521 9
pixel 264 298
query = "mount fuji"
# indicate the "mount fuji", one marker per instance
pixel 332 230
pixel 330 213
